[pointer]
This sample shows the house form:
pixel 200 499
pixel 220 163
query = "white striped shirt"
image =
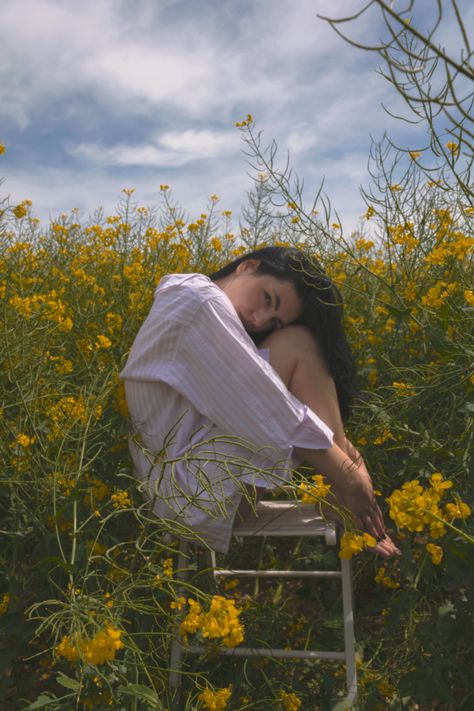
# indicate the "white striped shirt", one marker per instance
pixel 208 412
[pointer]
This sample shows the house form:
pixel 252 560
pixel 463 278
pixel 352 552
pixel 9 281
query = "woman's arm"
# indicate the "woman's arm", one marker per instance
pixel 295 355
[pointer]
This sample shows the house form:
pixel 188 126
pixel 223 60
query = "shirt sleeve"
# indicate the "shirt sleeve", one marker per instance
pixel 216 366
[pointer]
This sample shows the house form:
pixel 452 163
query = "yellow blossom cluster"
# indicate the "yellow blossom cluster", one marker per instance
pixel 168 567
pixel 450 241
pixel 24 440
pixel 435 552
pixel 289 701
pixel 436 295
pixel 4 603
pixel 452 147
pixel 69 411
pixel 310 493
pixel 353 543
pixel 246 122
pixel 48 306
pixel 97 490
pixel 403 389
pixel 404 236
pixel 384 579
pixel 21 210
pixel 215 700
pixel 121 500
pixel 62 366
pixel 99 648
pixel 221 621
pixel 417 509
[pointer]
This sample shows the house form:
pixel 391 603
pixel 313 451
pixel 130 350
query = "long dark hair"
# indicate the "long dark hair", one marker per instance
pixel 321 314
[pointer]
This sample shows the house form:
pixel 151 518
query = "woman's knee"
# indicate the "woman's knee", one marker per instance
pixel 287 346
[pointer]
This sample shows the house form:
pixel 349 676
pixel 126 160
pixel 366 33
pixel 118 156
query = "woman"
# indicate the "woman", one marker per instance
pixel 213 420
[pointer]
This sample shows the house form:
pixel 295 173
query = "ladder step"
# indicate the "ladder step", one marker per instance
pixel 277 573
pixel 265 652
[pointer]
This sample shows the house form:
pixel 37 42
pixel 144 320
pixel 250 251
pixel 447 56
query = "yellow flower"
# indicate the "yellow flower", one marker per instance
pixel 246 122
pixel 457 510
pixel 314 492
pixel 364 244
pixel 403 389
pixel 20 211
pixel 414 155
pixel 168 567
pixel 395 188
pixel 192 621
pixel 384 579
pixel 436 296
pixel 4 603
pixel 436 553
pixel 24 440
pixel 103 342
pixel 370 213
pixel 290 701
pixel 469 296
pixel 439 484
pixel 353 543
pixel 216 244
pixel 2 149
pixel 216 700
pixel 177 604
pixel 220 622
pixel 121 500
pixel 453 147
pixel 67 649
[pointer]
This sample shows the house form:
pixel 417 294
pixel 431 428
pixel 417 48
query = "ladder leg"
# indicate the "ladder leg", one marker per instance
pixel 349 639
pixel 176 649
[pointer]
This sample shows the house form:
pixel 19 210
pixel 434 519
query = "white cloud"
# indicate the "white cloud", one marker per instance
pixel 176 75
pixel 172 148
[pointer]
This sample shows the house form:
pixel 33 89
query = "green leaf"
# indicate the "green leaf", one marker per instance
pixel 68 683
pixel 144 694
pixel 41 702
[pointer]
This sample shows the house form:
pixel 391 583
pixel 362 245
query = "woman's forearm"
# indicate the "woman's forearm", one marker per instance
pixel 352 481
pixel 334 463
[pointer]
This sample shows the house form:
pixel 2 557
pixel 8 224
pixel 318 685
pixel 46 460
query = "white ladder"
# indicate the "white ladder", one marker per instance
pixel 283 519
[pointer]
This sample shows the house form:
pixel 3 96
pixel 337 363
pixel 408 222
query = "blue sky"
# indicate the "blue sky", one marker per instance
pixel 100 95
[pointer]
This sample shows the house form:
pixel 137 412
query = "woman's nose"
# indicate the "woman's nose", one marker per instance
pixel 260 320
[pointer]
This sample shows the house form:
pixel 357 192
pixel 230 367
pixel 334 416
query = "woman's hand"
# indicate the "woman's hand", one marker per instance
pixel 358 496
pixel 385 546
pixel 353 490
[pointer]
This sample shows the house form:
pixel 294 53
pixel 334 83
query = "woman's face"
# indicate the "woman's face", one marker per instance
pixel 262 302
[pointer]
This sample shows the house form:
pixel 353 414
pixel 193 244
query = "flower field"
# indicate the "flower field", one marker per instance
pixel 88 582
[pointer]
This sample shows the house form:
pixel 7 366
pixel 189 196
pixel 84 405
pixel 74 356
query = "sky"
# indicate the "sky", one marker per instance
pixel 101 95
